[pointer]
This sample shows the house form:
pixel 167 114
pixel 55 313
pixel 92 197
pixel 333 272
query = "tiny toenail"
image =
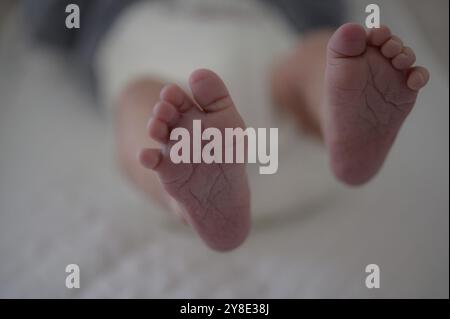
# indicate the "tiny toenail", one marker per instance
pixel 421 79
pixel 417 81
pixel 199 75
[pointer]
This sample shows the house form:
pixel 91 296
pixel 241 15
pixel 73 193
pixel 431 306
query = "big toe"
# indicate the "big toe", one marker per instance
pixel 209 91
pixel 348 41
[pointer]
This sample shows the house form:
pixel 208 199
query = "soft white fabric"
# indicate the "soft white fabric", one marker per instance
pixel 63 201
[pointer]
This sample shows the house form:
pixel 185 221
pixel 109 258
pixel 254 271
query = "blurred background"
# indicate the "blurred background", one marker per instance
pixel 63 200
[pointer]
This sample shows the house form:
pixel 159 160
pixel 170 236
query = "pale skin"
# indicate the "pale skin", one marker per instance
pixel 351 88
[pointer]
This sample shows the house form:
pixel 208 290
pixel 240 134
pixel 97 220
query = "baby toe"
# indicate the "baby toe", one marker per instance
pixel 405 59
pixel 418 78
pixel 174 95
pixel 166 112
pixel 379 36
pixel 158 130
pixel 150 158
pixel 348 41
pixel 392 47
pixel 209 91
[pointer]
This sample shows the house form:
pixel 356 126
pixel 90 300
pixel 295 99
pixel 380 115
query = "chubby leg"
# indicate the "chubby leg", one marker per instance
pixel 298 80
pixel 135 106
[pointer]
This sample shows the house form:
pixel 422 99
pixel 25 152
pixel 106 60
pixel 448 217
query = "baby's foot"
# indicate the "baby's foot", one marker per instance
pixel 370 88
pixel 213 198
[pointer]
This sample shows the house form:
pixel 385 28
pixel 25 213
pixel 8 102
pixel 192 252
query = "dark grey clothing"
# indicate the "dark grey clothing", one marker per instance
pixel 47 25
pixel 306 15
pixel 47 21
